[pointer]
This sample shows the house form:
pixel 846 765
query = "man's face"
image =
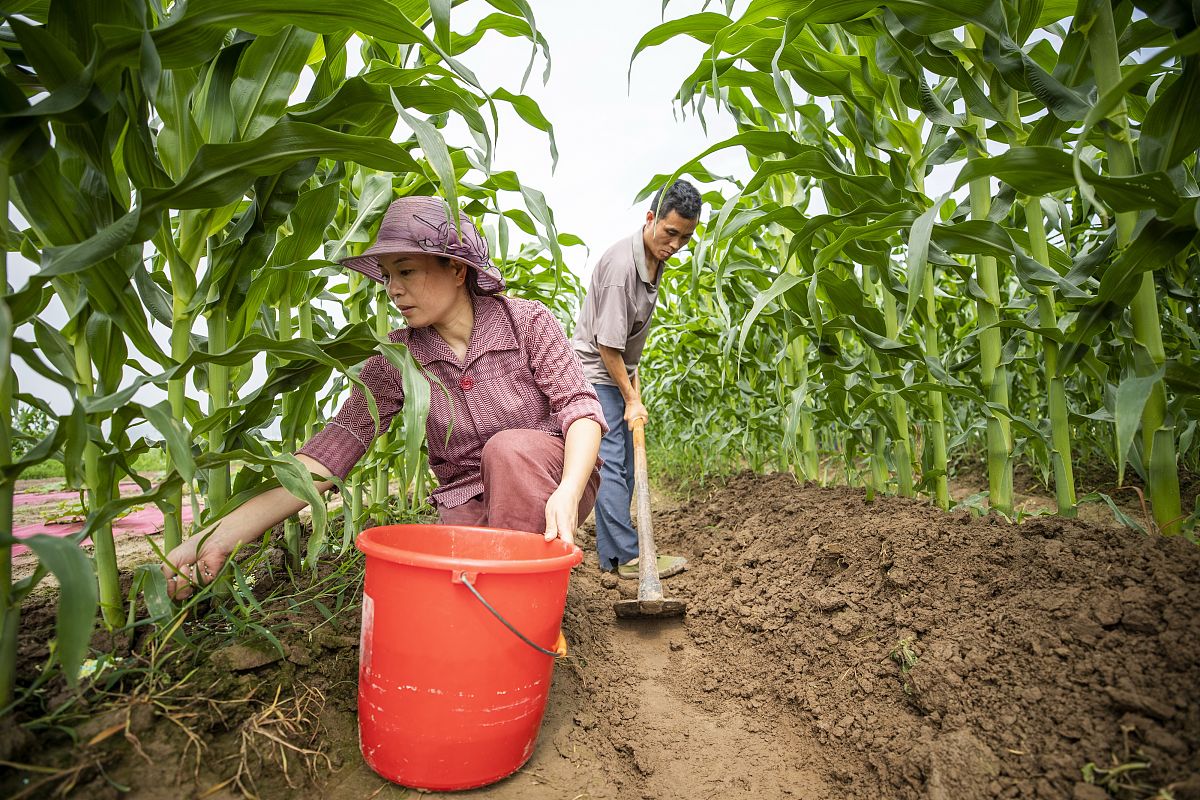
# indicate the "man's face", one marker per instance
pixel 667 236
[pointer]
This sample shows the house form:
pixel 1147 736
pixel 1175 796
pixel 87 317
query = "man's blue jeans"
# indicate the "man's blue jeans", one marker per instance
pixel 616 539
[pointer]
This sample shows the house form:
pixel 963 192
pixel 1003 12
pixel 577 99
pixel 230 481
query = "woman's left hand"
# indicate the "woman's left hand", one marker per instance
pixel 562 515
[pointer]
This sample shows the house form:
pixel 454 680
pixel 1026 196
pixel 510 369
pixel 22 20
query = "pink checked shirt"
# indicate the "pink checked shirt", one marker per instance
pixel 519 372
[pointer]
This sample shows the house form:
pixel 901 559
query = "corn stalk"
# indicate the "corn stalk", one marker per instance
pixel 1158 433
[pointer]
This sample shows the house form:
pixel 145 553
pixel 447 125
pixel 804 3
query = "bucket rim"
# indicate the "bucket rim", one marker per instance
pixel 368 544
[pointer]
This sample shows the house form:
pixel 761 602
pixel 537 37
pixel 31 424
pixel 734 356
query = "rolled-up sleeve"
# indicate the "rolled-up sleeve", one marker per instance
pixel 558 373
pixel 341 443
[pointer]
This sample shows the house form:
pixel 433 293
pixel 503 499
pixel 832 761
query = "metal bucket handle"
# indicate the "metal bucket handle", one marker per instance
pixel 465 579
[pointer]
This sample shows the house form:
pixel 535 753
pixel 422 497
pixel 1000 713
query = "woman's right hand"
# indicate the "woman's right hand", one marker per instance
pixel 197 561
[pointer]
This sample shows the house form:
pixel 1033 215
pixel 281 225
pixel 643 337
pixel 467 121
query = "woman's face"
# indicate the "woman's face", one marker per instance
pixel 424 287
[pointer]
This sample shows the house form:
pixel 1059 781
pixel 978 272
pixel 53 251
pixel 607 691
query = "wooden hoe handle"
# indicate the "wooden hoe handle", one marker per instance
pixel 649 585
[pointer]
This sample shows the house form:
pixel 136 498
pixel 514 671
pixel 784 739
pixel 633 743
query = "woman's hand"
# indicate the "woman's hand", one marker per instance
pixel 197 561
pixel 200 558
pixel 562 515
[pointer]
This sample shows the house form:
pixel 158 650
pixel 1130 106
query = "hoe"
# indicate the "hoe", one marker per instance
pixel 650 601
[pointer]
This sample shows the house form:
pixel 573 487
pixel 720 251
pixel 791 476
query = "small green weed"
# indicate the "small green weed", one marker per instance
pixel 1122 778
pixel 904 655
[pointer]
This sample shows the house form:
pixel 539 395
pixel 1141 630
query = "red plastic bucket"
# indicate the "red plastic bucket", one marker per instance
pixel 448 697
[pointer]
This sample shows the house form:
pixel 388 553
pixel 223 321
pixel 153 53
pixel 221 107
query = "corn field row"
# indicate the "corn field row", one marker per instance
pixel 1039 306
pixel 184 198
pixel 971 227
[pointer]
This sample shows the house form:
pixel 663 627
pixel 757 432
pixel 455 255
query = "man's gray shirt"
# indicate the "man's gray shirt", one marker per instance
pixel 616 312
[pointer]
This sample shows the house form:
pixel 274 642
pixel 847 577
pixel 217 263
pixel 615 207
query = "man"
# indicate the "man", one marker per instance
pixel 609 337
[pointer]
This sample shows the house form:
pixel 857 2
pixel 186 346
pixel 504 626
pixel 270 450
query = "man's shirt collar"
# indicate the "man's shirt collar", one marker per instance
pixel 639 260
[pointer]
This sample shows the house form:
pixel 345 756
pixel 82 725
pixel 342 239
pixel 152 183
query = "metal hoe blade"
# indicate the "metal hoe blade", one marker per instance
pixel 666 607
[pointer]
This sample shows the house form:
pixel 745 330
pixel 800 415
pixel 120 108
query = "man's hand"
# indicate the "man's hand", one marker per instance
pixel 634 409
pixel 562 515
pixel 196 562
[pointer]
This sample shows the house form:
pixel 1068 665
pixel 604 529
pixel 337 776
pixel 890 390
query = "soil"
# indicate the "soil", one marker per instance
pixel 944 655
pixel 833 648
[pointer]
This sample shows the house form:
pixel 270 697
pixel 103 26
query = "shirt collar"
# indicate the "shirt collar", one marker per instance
pixel 493 328
pixel 491 331
pixel 639 260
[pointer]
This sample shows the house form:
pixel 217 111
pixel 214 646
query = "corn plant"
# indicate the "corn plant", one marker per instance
pixel 1036 309
pixel 184 202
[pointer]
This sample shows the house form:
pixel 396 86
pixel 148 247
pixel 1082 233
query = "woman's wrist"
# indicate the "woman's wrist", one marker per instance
pixel 573 489
pixel 222 536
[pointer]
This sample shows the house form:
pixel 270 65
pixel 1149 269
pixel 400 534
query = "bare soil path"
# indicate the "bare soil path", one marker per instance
pixel 623 723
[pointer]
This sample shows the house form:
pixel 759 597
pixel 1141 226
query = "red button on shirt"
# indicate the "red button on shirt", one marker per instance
pixel 466 383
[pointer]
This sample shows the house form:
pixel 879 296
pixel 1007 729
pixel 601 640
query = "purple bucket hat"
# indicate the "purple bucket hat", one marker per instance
pixel 421 225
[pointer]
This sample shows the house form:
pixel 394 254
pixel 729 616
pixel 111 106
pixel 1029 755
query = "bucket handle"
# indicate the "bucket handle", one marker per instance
pixel 464 579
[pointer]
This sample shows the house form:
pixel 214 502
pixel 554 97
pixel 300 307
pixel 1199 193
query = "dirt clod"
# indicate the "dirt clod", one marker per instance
pixel 1088 791
pixel 241 657
pixel 1127 700
pixel 961 768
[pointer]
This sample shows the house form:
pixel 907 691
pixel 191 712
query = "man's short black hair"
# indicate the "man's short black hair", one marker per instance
pixel 681 197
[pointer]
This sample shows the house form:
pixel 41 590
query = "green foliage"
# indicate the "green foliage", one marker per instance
pixel 30 425
pixel 200 169
pixel 1041 308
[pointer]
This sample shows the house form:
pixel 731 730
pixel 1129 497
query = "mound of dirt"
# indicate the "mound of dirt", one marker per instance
pixel 942 655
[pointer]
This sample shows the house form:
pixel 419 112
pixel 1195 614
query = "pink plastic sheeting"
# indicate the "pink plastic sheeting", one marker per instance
pixel 140 523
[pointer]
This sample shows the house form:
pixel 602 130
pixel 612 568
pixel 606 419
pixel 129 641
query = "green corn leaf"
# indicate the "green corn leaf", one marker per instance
pixel 782 284
pixel 374 199
pixel 1156 245
pixel 523 10
pixel 220 175
pixel 918 256
pixel 153 586
pixel 440 11
pixel 78 599
pixel 1114 97
pixel 702 27
pixel 531 113
pixel 416 398
pixel 1169 133
pixel 434 147
pixel 294 476
pixel 1132 394
pixel 176 436
pixel 1118 514
pixel 312 214
pixel 535 201
pixel 267 74
pixel 1038 171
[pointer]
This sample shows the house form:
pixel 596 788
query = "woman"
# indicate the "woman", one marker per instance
pixel 513 430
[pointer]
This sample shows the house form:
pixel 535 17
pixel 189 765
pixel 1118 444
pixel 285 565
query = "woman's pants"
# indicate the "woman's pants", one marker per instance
pixel 520 470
